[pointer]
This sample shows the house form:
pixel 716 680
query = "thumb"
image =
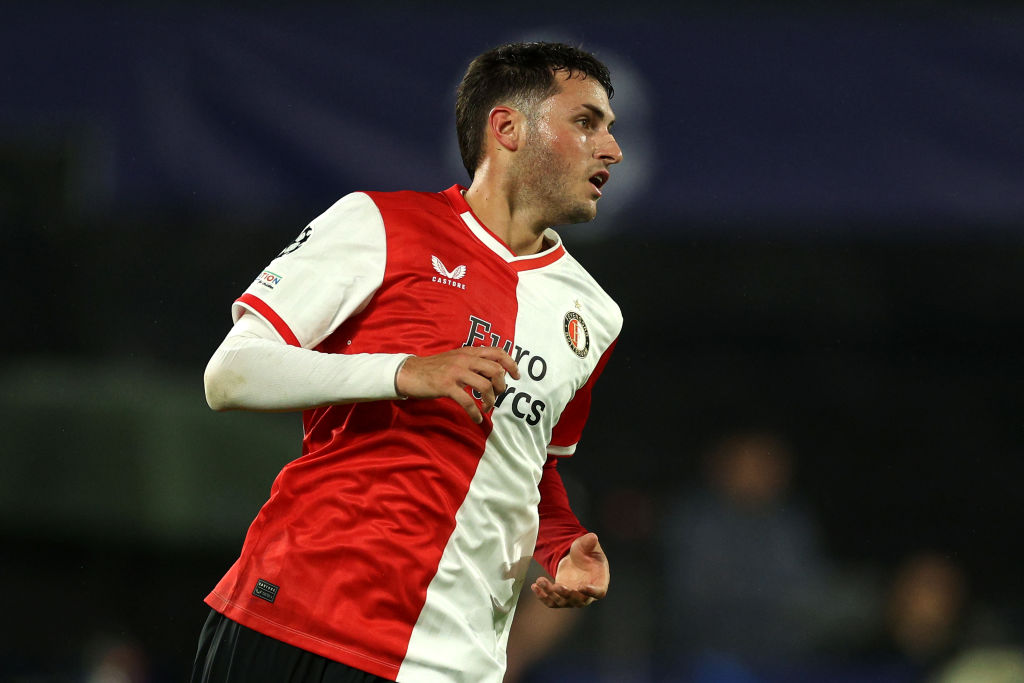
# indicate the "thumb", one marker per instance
pixel 586 543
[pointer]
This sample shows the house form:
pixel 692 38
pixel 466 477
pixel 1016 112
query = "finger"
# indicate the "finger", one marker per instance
pixel 549 599
pixel 542 595
pixel 563 596
pixel 542 588
pixel 586 543
pixel 573 599
pixel 467 403
pixel 493 371
pixel 577 599
pixel 565 593
pixel 558 593
pixel 501 357
pixel 482 386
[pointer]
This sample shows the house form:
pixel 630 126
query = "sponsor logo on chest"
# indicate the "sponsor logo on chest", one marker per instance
pixel 522 404
pixel 450 278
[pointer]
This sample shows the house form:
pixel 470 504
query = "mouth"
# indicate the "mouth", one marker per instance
pixel 598 180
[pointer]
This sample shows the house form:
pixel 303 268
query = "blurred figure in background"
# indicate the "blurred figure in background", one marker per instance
pixel 925 610
pixel 923 620
pixel 116 659
pixel 931 628
pixel 743 567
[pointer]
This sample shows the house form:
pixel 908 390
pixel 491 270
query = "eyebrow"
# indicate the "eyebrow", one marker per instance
pixel 601 114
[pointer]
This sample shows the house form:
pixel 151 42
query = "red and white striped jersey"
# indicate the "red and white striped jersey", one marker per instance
pixel 399 540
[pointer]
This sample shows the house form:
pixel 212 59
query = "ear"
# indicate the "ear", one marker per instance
pixel 505 126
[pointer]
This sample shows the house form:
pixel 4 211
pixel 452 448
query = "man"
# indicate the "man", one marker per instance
pixel 394 548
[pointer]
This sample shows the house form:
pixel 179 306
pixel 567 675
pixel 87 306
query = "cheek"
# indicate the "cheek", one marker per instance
pixel 570 146
pixel 571 139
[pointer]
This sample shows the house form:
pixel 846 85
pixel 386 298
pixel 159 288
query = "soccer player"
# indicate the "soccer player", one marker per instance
pixel 443 347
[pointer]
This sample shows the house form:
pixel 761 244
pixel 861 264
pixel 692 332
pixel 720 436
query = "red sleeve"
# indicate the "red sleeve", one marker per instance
pixel 569 428
pixel 558 525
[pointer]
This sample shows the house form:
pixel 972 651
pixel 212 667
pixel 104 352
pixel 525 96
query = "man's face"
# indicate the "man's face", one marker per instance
pixel 567 152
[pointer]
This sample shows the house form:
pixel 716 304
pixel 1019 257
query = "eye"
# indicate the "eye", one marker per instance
pixel 584 121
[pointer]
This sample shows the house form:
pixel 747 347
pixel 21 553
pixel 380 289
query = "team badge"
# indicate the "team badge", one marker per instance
pixel 576 334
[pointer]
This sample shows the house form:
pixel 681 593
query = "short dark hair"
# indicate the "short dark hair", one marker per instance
pixel 521 72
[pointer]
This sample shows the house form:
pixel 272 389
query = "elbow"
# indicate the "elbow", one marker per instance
pixel 223 387
pixel 216 400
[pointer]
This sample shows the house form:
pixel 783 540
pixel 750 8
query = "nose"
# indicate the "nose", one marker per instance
pixel 609 151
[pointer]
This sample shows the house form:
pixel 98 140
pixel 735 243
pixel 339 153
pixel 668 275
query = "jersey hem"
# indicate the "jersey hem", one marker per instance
pixel 296 638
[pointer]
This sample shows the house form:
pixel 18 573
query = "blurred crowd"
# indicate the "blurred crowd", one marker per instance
pixel 725 578
pixel 740 589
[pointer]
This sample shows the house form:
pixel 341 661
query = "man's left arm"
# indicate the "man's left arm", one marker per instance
pixel 571 554
pixel 565 549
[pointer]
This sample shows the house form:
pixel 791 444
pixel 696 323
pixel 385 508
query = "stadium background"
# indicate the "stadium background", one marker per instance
pixel 818 231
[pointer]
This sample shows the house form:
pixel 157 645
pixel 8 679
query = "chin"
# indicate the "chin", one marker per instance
pixel 581 213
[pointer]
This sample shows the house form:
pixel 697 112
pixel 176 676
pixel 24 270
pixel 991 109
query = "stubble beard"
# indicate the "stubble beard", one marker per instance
pixel 544 181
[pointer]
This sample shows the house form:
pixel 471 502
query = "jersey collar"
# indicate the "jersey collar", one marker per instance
pixel 454 195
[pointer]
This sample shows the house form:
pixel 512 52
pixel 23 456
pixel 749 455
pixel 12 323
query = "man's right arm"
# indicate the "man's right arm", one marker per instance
pixel 253 369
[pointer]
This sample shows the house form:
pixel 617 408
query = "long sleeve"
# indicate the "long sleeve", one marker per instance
pixel 558 525
pixel 253 369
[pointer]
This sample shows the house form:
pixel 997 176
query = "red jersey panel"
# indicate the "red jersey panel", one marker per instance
pixel 398 541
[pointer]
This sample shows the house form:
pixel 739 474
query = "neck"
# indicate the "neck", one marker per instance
pixel 514 223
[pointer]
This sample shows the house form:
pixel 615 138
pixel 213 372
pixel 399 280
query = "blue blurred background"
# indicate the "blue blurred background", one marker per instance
pixel 805 458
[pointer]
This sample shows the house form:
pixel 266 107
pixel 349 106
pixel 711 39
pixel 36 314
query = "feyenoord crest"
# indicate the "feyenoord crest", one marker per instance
pixel 576 333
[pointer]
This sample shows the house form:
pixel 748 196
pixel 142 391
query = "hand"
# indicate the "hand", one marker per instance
pixel 448 374
pixel 582 576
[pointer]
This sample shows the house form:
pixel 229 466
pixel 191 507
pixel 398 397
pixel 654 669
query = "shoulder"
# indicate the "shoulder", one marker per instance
pixel 374 211
pixel 354 206
pixel 408 200
pixel 598 301
pixel 377 202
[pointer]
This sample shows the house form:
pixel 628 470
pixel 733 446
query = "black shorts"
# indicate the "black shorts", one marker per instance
pixel 232 653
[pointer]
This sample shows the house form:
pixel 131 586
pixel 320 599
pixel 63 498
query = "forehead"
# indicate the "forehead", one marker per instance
pixel 578 92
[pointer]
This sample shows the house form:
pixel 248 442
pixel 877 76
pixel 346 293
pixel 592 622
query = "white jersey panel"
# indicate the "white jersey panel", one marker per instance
pixel 574 322
pixel 473 595
pixel 328 274
pixel 463 628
